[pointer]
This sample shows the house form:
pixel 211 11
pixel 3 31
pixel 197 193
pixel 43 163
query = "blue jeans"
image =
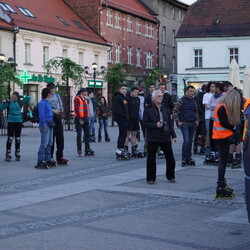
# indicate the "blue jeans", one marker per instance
pixel 188 130
pixel 103 123
pixel 44 152
pixel 92 126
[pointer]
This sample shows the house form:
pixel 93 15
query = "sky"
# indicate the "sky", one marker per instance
pixel 187 1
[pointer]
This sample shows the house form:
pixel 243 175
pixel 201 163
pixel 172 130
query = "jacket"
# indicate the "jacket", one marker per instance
pixel 150 118
pixel 121 108
pixel 14 109
pixel 45 113
pixel 133 108
pixel 167 102
pixel 81 108
pixel 221 129
pixel 102 111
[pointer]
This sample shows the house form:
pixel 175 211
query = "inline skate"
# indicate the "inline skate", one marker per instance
pixel 188 162
pixel 41 165
pixel 121 154
pixel 89 152
pixel 136 153
pixel 237 161
pixel 51 163
pixel 223 192
pixel 17 155
pixel 62 161
pixel 210 159
pixel 8 156
pixel 126 151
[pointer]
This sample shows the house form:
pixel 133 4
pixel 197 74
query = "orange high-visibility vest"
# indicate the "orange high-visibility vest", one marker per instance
pixel 81 106
pixel 247 103
pixel 219 132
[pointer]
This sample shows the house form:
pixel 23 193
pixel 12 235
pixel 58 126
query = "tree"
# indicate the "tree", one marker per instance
pixel 156 74
pixel 7 75
pixel 69 70
pixel 115 76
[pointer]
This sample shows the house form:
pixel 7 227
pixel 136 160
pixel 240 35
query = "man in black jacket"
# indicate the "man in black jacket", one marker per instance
pixel 121 116
pixel 159 132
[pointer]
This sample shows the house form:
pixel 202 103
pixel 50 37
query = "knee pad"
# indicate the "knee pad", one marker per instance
pixel 10 139
pixel 18 140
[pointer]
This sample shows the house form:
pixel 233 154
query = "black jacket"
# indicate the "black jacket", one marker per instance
pixel 133 108
pixel 121 108
pixel 167 102
pixel 150 118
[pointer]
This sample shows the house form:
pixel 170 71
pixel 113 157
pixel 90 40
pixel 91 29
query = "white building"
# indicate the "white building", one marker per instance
pixel 211 35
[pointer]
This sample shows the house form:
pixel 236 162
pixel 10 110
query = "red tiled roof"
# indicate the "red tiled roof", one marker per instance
pixel 216 18
pixel 46 21
pixel 4 24
pixel 130 6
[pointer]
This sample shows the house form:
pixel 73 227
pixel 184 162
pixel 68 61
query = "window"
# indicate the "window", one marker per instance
pixel 65 53
pixel 117 53
pixel 164 61
pixel 117 21
pixel 81 58
pixel 146 30
pixel 26 12
pixel 173 13
pixel 180 15
pixel 173 38
pixel 96 60
pixel 6 7
pixel 45 54
pixel 151 31
pixel 234 54
pixel 149 60
pixel 27 53
pixel 138 57
pixel 129 20
pixel 79 24
pixel 173 64
pixel 109 18
pixel 63 21
pixel 109 55
pixel 198 58
pixel 129 55
pixel 164 38
pixel 138 27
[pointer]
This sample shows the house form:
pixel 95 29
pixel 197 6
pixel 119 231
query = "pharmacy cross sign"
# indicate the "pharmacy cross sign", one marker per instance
pixel 25 77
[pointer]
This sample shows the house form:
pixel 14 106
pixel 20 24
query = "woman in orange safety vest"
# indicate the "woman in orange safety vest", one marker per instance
pixel 226 117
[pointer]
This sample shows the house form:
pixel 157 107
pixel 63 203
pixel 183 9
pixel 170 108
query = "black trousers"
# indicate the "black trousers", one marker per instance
pixel 123 129
pixel 212 143
pixel 200 130
pixel 14 129
pixel 151 160
pixel 59 139
pixel 85 128
pixel 223 149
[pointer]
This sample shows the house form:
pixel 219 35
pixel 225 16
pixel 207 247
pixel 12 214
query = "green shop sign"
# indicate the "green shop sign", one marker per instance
pixel 97 84
pixel 25 77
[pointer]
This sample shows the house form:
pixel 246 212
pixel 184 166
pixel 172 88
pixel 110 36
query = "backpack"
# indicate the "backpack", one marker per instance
pixel 35 114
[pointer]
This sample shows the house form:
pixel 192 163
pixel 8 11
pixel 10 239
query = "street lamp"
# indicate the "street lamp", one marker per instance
pixel 94 67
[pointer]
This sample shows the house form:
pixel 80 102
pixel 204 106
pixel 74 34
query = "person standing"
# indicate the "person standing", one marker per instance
pixel 46 127
pixel 226 118
pixel 58 137
pixel 148 95
pixel 82 122
pixel 92 112
pixel 14 126
pixel 103 113
pixel 186 116
pixel 159 132
pixel 133 123
pixel 121 116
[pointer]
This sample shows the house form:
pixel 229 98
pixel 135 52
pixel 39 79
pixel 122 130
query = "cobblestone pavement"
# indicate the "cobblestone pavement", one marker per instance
pixel 101 203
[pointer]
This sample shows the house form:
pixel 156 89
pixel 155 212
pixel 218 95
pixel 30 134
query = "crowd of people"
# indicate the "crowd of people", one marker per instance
pixel 211 121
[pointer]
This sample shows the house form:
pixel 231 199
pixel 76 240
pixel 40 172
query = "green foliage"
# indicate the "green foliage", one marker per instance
pixel 68 68
pixel 155 74
pixel 7 75
pixel 117 75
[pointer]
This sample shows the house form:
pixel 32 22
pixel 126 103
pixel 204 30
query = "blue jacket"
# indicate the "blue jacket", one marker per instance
pixel 14 109
pixel 45 113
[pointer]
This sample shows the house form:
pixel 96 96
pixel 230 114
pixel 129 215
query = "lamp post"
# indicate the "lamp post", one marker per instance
pixel 10 62
pixel 94 67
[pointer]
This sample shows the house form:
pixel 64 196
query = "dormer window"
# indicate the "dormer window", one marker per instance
pixel 6 7
pixel 26 12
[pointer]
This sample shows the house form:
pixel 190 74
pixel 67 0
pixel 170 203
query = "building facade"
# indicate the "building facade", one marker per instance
pixel 45 33
pixel 129 28
pixel 211 35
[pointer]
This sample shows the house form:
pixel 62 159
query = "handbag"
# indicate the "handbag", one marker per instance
pixel 51 124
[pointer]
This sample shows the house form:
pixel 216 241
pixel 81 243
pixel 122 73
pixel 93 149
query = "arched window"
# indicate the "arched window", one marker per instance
pixel 117 52
pixel 130 55
pixel 117 20
pixel 129 20
pixel 109 18
pixel 138 57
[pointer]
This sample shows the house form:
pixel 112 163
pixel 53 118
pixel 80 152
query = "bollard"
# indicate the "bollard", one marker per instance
pixel 246 159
